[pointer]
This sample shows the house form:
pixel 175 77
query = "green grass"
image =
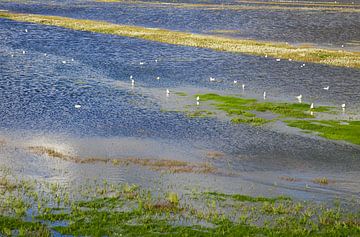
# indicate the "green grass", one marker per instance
pixel 245 198
pixel 252 47
pixel 330 129
pixel 243 110
pixel 109 209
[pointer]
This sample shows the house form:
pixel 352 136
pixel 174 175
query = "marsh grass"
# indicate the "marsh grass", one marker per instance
pixel 242 6
pixel 109 209
pixel 163 165
pixel 252 47
pixel 243 110
pixel 330 129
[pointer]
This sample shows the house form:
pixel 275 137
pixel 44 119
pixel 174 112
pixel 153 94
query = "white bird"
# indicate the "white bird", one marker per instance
pixel 278 60
pixel 63 62
pixel 141 63
pixel 167 92
pixel 77 106
pixel 342 46
pixel 264 95
pixel 266 56
pixel 303 65
pixel 326 88
pixel 12 55
pixel 45 54
pixel 72 60
pixel 26 30
pixel 131 77
pixel 290 59
pixel 243 86
pixel 132 82
pixel 235 81
pixel 211 79
pixel 312 106
pixel 158 78
pixel 197 98
pixel 343 107
pixel 299 97
pixel 197 103
pixel 23 52
pixel 156 60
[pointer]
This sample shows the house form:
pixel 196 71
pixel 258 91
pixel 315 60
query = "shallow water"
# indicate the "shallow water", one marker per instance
pixel 38 93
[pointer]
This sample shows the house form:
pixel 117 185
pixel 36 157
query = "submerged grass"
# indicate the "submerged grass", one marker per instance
pixel 336 130
pixel 173 166
pixel 252 47
pixel 128 210
pixel 245 198
pixel 244 110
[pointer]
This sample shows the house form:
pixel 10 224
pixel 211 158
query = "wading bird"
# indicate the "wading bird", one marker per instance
pixel 158 78
pixel 278 60
pixel 326 88
pixel 132 82
pixel 243 86
pixel 26 30
pixel 343 107
pixel 312 106
pixel 167 92
pixel 264 94
pixel 77 106
pixel 299 97
pixel 235 81
pixel 211 79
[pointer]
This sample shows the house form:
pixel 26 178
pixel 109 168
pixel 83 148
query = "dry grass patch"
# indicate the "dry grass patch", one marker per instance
pixel 172 166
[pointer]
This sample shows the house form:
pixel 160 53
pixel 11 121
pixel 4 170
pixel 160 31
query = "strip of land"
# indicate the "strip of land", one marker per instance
pixel 251 47
pixel 244 6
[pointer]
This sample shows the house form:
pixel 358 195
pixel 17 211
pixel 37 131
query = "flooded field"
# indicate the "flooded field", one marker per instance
pixel 171 138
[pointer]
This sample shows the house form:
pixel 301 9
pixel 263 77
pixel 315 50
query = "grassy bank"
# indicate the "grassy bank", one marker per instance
pixel 251 47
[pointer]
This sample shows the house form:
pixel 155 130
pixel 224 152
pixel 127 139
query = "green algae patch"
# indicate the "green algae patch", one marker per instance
pixel 331 129
pixel 251 47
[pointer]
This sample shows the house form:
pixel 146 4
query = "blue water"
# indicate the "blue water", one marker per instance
pixel 38 93
pixel 326 28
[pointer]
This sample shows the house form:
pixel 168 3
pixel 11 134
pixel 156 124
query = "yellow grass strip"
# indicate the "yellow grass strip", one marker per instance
pixel 242 6
pixel 252 47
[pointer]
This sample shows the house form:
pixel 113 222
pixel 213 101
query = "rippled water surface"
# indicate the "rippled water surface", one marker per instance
pixel 332 29
pixel 46 71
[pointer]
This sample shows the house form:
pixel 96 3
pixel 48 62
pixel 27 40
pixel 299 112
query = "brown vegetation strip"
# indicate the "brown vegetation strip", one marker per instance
pixel 173 166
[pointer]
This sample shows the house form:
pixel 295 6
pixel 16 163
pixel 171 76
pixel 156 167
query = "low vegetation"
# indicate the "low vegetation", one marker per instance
pixel 37 208
pixel 252 47
pixel 331 129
